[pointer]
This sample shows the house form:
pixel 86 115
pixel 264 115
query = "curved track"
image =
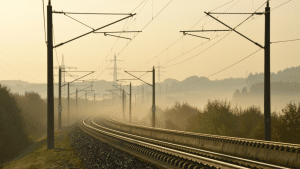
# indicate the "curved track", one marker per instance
pixel 165 154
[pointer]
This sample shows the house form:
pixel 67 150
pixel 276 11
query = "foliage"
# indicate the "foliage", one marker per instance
pixel 177 116
pixel 219 118
pixel 249 123
pixel 13 136
pixel 34 112
pixel 290 123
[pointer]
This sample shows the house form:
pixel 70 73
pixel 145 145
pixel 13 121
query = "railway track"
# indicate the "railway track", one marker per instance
pixel 164 154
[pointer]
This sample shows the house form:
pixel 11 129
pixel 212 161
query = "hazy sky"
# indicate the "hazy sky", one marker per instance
pixel 23 51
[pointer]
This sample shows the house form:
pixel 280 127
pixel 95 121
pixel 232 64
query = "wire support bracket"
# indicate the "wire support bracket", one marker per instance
pixel 83 13
pixel 86 94
pixel 255 13
pixel 138 77
pixel 119 32
pixel 121 89
pixel 233 30
pixel 207 30
pixel 81 90
pixel 105 34
pixel 113 93
pixel 94 30
pixel 78 78
pixel 184 33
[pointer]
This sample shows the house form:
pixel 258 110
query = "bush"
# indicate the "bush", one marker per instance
pixel 249 120
pixel 13 135
pixel 177 118
pixel 290 123
pixel 219 119
pixel 34 112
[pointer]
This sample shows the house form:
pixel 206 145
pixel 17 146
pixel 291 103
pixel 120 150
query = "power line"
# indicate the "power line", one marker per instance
pixel 271 10
pixel 44 23
pixel 196 54
pixel 182 36
pixel 138 5
pixel 78 21
pixel 222 5
pixel 20 60
pixel 143 29
pixel 157 14
pixel 9 73
pixel 117 40
pixel 16 70
pixel 54 44
pixel 227 67
pixel 58 12
pixel 286 41
pixel 235 63
pixel 250 16
pixel 209 46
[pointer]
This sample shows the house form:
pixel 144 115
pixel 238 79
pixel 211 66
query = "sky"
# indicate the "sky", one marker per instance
pixel 23 50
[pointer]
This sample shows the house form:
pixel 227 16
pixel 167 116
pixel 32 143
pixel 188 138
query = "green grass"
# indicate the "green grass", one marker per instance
pixel 63 156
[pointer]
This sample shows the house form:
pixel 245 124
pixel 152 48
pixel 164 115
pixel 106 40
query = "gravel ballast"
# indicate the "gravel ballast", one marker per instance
pixel 97 154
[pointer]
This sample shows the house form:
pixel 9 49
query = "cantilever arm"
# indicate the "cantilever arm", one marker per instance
pixel 138 78
pixel 184 33
pixel 105 34
pixel 234 30
pixel 93 31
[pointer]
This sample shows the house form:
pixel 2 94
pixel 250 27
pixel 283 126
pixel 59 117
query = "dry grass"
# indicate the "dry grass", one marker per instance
pixel 63 156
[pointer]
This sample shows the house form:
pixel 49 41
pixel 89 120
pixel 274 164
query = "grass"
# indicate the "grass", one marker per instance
pixel 63 156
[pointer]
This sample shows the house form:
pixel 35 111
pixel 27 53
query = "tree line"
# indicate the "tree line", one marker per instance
pixel 22 121
pixel 220 118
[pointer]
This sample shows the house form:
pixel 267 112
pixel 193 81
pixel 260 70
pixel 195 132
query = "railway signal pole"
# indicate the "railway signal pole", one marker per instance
pixel 123 103
pixel 77 101
pixel 153 90
pixel 130 103
pixel 59 98
pixel 50 92
pixel 68 103
pixel 153 99
pixel 267 78
pixel 267 84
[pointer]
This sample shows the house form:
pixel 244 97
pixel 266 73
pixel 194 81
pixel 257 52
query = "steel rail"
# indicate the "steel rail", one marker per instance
pixel 282 154
pixel 121 145
pixel 182 154
pixel 234 139
pixel 219 156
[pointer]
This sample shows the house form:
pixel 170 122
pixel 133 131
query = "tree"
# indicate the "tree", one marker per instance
pixel 244 91
pixel 219 118
pixel 236 94
pixel 13 136
pixel 291 123
pixel 34 112
pixel 249 119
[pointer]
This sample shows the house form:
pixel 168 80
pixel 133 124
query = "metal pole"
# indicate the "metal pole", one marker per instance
pixel 135 100
pixel 77 102
pixel 85 101
pixel 143 94
pixel 68 103
pixel 153 99
pixel 50 92
pixel 130 103
pixel 267 84
pixel 123 100
pixel 59 98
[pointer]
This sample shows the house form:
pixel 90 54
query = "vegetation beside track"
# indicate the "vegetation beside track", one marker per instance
pixel 63 156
